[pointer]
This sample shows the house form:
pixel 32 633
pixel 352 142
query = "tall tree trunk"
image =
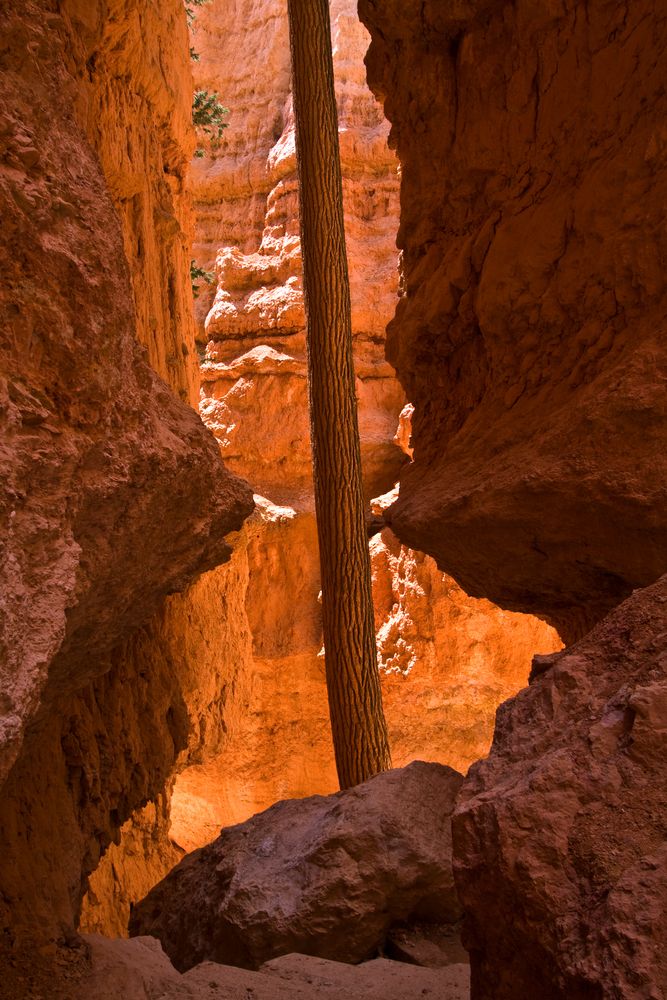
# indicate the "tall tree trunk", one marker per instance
pixel 355 701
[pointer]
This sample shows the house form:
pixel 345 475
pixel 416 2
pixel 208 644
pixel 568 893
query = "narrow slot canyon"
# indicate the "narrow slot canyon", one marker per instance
pixel 170 816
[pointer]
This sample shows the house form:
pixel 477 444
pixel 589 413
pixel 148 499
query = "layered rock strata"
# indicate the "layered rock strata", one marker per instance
pixel 446 661
pixel 324 876
pixel 561 834
pixel 529 334
pixel 113 493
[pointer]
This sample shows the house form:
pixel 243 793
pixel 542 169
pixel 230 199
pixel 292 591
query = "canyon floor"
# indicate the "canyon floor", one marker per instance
pixel 141 971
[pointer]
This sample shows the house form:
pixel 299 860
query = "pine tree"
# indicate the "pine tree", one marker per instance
pixel 355 700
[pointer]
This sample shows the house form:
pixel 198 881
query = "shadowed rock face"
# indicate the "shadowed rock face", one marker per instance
pixel 530 331
pixel 561 834
pixel 112 493
pixel 530 337
pixel 326 876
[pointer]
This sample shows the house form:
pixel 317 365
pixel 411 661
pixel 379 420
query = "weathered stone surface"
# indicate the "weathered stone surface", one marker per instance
pixel 87 423
pixel 193 660
pixel 142 857
pixel 376 980
pixel 446 662
pixel 432 946
pixel 113 493
pixel 276 742
pixel 530 331
pixel 560 835
pixel 327 876
pixel 132 96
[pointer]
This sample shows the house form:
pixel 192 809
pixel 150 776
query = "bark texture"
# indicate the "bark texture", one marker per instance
pixel 355 701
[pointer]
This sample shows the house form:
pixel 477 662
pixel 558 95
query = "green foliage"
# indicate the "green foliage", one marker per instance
pixel 208 116
pixel 208 113
pixel 199 274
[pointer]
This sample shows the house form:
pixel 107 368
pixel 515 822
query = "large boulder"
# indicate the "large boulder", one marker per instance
pixel 560 836
pixel 326 876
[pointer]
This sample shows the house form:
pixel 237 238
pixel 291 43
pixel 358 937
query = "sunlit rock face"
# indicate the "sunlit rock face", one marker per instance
pixel 254 385
pixel 446 661
pixel 530 331
pixel 141 859
pixel 112 493
pixel 194 660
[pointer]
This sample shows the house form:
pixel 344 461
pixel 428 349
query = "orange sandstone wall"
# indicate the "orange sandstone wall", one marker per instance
pixel 446 661
pixel 531 337
pixel 142 134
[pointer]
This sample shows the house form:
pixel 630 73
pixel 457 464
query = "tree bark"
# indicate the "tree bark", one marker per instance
pixel 355 700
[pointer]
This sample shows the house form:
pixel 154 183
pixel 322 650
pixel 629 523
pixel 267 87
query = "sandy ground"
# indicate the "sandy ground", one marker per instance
pixel 138 969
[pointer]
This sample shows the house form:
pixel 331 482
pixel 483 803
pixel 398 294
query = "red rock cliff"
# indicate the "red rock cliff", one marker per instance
pixel 530 335
pixel 530 331
pixel 113 493
pixel 560 837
